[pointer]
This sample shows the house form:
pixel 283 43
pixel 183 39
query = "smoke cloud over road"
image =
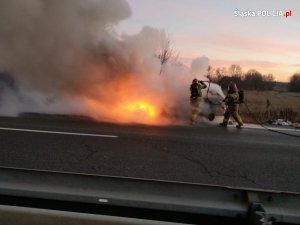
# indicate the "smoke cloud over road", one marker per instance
pixel 66 57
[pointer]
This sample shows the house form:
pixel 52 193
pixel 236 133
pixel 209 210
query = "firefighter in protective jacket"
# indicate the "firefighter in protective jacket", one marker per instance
pixel 196 95
pixel 232 101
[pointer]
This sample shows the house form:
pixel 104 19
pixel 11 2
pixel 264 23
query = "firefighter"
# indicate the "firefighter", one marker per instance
pixel 196 96
pixel 232 102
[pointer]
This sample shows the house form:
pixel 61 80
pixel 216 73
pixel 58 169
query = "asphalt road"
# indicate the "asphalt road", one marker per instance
pixel 206 154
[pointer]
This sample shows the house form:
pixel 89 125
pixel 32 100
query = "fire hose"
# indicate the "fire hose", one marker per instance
pixel 249 111
pixel 207 94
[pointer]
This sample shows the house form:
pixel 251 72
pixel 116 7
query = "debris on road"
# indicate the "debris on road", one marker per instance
pixel 282 122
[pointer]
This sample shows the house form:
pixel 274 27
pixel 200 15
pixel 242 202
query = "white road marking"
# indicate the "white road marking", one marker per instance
pixel 288 128
pixel 58 132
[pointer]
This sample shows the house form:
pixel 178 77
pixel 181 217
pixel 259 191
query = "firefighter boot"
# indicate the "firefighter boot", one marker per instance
pixel 239 126
pixel 223 124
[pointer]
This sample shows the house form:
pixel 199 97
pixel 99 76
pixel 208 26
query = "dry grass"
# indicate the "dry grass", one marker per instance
pixel 283 105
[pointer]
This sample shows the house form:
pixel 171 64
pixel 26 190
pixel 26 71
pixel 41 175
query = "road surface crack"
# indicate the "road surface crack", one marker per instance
pixel 90 153
pixel 211 173
pixel 197 162
pixel 245 177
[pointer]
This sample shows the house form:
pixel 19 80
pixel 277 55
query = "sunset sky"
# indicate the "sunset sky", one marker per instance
pixel 211 28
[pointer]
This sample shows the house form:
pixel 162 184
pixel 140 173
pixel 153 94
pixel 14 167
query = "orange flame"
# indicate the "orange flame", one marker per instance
pixel 142 107
pixel 127 101
pixel 138 111
pixel 135 111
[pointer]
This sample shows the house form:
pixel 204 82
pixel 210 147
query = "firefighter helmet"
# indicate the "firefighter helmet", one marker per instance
pixel 232 86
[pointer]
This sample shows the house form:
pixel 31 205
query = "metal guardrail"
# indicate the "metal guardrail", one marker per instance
pixel 56 191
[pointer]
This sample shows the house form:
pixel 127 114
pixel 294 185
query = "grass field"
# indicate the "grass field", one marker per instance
pixel 283 105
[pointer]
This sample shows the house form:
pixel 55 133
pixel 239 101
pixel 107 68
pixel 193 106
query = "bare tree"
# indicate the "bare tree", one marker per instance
pixel 166 51
pixel 294 85
pixel 235 70
pixel 253 80
pixel 210 71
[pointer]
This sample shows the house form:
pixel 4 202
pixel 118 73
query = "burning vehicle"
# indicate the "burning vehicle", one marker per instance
pixel 126 105
pixel 213 102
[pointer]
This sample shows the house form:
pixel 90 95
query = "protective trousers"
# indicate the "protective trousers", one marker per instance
pixel 233 110
pixel 195 107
